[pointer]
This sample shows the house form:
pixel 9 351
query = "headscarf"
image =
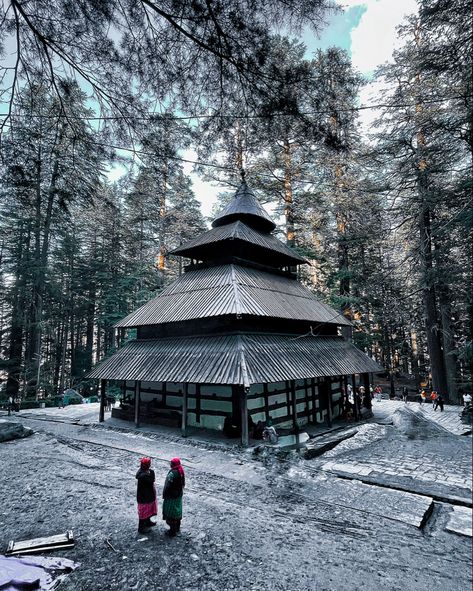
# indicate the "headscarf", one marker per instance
pixel 176 465
pixel 145 463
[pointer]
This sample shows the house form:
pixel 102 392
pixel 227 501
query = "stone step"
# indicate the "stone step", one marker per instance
pixel 323 443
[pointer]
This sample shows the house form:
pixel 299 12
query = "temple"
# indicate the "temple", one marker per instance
pixel 236 339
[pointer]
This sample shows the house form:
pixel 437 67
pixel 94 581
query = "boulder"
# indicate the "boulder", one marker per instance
pixel 9 431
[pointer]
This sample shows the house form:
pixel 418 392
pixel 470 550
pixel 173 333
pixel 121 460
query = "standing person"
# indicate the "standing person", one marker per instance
pixel 172 495
pixel 61 400
pixel 405 392
pixel 423 396
pixel 433 398
pixel 358 394
pixel 378 392
pixel 440 402
pixel 146 495
pixel 466 399
pixel 10 405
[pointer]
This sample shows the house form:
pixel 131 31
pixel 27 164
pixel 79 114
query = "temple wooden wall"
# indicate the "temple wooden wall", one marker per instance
pixel 209 404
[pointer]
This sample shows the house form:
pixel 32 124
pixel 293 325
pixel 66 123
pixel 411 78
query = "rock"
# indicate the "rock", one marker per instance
pixel 9 431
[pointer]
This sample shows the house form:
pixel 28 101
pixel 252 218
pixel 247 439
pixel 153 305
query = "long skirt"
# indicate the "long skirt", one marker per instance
pixel 147 510
pixel 172 510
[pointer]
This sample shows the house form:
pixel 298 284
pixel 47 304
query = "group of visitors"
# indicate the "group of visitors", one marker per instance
pixel 437 399
pixel 172 496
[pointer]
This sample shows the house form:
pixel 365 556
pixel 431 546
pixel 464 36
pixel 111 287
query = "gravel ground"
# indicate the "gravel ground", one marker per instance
pixel 247 524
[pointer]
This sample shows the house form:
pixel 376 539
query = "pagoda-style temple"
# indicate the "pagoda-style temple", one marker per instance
pixel 236 337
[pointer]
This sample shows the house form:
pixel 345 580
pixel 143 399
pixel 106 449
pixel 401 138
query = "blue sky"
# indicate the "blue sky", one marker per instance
pixel 338 31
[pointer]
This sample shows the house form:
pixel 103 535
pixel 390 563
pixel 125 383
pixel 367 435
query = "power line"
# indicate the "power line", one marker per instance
pixel 151 116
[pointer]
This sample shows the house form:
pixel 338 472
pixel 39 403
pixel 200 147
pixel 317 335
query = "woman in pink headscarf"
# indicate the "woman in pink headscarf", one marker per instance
pixel 172 495
pixel 146 495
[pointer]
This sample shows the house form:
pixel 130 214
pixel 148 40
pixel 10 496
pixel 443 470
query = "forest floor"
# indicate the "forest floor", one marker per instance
pixel 388 508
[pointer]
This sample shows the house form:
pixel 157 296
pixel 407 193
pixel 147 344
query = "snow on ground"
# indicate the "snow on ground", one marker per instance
pixel 282 524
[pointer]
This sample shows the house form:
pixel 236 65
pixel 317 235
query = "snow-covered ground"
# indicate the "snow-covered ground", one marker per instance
pixel 378 512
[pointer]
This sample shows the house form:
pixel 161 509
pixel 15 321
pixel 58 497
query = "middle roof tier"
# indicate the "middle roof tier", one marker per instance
pixel 232 289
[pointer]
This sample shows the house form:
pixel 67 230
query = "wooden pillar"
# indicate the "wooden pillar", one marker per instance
pixel 328 387
pixel 184 410
pixel 288 398
pixel 292 384
pixel 163 393
pixel 306 398
pixel 266 401
pixel 197 403
pixel 355 405
pixel 244 416
pixel 314 410
pixel 137 403
pixel 344 389
pixel 102 401
pixel 366 384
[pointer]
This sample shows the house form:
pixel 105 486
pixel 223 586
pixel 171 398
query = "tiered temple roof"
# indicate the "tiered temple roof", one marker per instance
pixel 237 315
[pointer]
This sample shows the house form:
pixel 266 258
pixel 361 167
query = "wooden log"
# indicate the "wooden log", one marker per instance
pixel 41 544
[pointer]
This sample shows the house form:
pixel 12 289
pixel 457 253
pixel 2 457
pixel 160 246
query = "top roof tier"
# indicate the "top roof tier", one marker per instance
pixel 245 207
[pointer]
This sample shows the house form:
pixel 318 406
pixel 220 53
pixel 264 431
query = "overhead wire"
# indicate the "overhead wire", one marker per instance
pixel 153 115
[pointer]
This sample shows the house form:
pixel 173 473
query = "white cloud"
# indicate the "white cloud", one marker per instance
pixel 373 40
pixel 205 192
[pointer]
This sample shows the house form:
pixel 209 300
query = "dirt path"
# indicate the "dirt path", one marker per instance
pixel 246 526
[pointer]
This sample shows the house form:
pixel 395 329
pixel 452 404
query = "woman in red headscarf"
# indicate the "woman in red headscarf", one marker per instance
pixel 146 495
pixel 172 495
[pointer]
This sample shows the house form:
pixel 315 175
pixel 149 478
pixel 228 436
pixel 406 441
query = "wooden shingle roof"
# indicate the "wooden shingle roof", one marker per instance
pixel 245 207
pixel 233 290
pixel 243 359
pixel 203 246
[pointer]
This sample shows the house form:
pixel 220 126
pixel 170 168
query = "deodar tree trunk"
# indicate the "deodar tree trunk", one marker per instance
pixel 432 328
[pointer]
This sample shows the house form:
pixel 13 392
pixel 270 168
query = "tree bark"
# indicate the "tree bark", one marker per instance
pixel 437 366
pixel 288 194
pixel 448 341
pixel 15 350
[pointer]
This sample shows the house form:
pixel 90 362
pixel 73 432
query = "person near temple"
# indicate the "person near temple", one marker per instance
pixel 378 391
pixel 365 397
pixel 440 402
pixel 172 495
pixel 405 392
pixel 258 430
pixel 146 495
pixel 433 398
